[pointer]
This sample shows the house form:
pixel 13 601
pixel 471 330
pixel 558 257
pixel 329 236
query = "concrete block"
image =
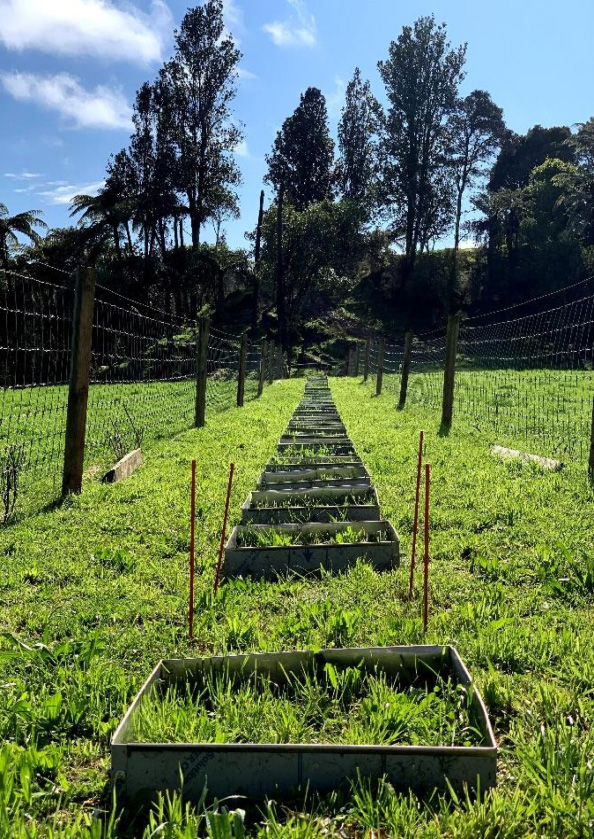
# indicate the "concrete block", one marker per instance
pixel 124 467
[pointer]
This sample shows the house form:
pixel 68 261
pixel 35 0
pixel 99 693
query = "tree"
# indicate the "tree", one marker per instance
pixel 257 252
pixel 101 217
pixel 476 129
pixel 319 248
pixel 358 129
pixel 201 80
pixel 303 151
pixel 533 243
pixel 422 75
pixel 505 203
pixel 520 154
pixel 214 264
pixel 577 182
pixel 11 226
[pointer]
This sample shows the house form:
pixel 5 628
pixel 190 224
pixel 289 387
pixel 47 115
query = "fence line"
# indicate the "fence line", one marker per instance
pixel 141 381
pixel 525 379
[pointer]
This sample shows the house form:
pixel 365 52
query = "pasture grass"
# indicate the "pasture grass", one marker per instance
pixel 94 593
pixel 339 706
pixel 120 417
pixel 546 408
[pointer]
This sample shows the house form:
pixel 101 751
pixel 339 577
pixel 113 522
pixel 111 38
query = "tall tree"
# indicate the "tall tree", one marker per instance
pixel 577 182
pixel 303 151
pixel 505 204
pixel 21 223
pixel 257 252
pixel 143 165
pixel 358 130
pixel 520 154
pixel 202 80
pixel 312 253
pixel 422 75
pixel 120 182
pixel 476 130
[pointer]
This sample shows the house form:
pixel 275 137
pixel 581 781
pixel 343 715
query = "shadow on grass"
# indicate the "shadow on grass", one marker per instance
pixel 55 504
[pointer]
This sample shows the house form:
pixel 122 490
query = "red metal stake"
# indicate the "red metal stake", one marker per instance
pixel 224 531
pixel 426 557
pixel 416 519
pixel 192 548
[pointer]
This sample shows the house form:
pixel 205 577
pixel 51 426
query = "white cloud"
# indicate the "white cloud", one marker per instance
pixel 232 14
pixel 102 107
pixel 23 176
pixel 246 74
pixel 86 27
pixel 299 30
pixel 65 193
pixel 241 149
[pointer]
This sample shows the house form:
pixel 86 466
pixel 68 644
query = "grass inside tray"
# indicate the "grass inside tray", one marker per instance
pixel 336 706
pixel 317 501
pixel 252 537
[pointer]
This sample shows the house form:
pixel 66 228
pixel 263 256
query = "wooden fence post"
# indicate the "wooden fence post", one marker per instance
pixel 591 458
pixel 367 351
pixel 450 369
pixel 80 374
pixel 408 340
pixel 242 365
pixel 351 362
pixel 201 372
pixel 380 367
pixel 262 369
pixel 269 361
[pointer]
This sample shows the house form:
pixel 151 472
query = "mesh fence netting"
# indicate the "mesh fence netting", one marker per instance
pixel 142 379
pixel 527 378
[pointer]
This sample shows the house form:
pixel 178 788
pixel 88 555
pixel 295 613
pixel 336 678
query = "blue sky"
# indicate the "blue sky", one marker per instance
pixel 69 70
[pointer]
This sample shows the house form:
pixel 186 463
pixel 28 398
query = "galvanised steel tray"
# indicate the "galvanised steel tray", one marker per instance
pixel 329 475
pixel 261 506
pixel 271 562
pixel 262 770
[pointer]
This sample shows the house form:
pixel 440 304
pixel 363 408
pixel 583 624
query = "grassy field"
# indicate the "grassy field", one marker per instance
pixel 549 411
pixel 94 593
pixel 33 420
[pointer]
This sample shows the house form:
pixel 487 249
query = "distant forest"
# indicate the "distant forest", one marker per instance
pixel 350 236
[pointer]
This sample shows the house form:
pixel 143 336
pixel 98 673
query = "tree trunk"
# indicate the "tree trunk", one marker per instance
pixel 256 301
pixel 454 281
pixel 162 242
pixel 116 241
pixel 129 237
pixel 280 274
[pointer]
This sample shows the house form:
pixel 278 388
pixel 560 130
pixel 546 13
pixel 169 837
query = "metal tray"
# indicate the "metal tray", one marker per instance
pixel 258 770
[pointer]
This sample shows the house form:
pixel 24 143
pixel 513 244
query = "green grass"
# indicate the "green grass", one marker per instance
pixel 33 420
pixel 338 706
pixel 250 537
pixel 548 410
pixel 94 593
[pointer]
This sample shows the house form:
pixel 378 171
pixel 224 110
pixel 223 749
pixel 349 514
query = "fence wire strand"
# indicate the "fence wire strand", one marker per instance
pixel 35 347
pixel 142 379
pixel 528 378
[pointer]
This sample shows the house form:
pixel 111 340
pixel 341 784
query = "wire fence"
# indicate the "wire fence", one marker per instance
pixel 142 382
pixel 526 379
pixel 35 349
